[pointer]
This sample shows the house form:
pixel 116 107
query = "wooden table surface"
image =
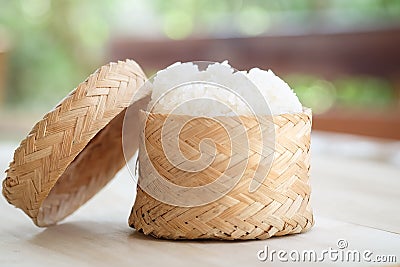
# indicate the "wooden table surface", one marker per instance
pixel 355 197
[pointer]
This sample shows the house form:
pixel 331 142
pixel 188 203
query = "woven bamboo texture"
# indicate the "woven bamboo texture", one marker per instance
pixel 280 206
pixel 76 148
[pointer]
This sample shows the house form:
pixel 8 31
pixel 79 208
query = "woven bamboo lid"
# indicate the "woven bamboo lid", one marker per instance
pixel 76 149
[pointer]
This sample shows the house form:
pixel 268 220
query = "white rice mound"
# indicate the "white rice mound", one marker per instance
pixel 169 95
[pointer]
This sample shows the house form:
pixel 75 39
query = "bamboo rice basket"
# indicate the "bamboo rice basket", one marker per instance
pixel 279 206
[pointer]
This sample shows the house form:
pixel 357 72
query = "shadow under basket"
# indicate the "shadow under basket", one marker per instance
pixel 280 205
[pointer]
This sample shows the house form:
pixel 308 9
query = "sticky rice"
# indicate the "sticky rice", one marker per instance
pixel 176 85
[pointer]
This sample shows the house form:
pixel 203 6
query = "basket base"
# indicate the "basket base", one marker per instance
pixel 219 221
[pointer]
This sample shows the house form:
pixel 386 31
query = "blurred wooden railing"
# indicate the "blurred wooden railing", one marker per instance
pixel 375 53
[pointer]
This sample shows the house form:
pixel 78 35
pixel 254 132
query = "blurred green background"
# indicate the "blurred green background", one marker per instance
pixel 49 46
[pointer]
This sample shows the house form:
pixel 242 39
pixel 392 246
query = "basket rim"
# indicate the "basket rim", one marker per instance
pixel 305 110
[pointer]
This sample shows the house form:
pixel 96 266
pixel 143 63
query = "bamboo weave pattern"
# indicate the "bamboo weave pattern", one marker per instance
pixel 76 148
pixel 280 206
